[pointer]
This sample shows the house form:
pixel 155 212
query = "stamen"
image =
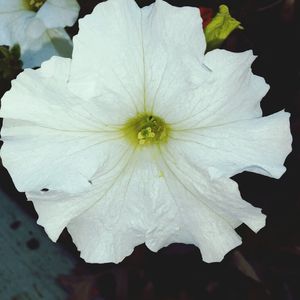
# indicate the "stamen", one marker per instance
pixel 145 129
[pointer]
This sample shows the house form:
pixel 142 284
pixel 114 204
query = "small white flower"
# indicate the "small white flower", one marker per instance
pixel 37 26
pixel 135 139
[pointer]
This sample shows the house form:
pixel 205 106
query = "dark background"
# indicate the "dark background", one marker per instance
pixel 267 264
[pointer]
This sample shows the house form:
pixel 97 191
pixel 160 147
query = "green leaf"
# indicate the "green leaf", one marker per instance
pixel 217 31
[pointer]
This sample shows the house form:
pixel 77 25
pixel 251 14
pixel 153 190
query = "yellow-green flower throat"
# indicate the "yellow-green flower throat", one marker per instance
pixel 146 129
pixel 34 5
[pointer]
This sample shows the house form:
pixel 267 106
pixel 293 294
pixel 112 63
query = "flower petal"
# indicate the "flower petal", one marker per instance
pixel 227 92
pixel 210 210
pixel 118 222
pixel 107 57
pixel 237 92
pixel 131 67
pixel 173 46
pixel 52 42
pixel 11 5
pixel 14 21
pixel 57 209
pixel 58 13
pixel 157 203
pixel 260 145
pixel 29 29
pixel 12 15
pixel 35 29
pixel 51 140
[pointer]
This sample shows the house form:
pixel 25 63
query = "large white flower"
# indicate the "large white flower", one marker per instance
pixel 37 25
pixel 135 139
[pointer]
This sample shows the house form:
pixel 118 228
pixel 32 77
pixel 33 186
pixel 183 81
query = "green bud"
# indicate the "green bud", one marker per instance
pixel 220 27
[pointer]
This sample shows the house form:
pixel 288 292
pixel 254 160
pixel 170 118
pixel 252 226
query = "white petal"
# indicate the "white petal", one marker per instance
pixel 173 46
pixel 31 30
pixel 57 209
pixel 260 145
pixel 58 13
pixel 50 138
pixel 35 29
pixel 107 56
pixel 11 5
pixel 136 50
pixel 13 24
pixel 227 92
pixel 209 209
pixel 237 92
pixel 12 14
pixel 41 96
pixel 118 222
pixel 52 42
pixel 158 203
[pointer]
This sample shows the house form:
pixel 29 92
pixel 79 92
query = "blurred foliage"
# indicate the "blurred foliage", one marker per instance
pixel 10 63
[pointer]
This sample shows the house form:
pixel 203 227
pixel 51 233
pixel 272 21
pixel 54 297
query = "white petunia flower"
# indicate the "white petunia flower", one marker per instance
pixel 135 139
pixel 37 26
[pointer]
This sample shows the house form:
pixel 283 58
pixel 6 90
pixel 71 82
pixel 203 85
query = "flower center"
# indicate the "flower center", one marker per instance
pixel 34 5
pixel 146 129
